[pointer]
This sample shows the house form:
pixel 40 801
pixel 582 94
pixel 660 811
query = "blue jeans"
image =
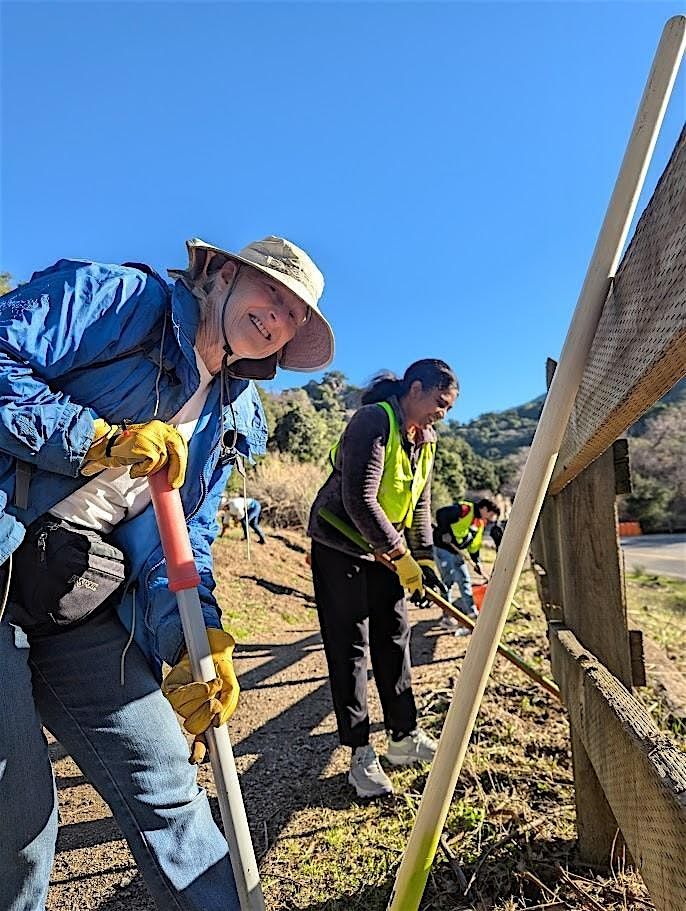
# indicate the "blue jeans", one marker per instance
pixel 252 518
pixel 453 568
pixel 127 742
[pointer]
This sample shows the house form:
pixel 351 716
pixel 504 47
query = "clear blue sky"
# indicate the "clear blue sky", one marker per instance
pixel 447 165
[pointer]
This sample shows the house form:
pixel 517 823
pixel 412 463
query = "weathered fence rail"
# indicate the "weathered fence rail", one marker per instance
pixel 641 772
pixel 639 350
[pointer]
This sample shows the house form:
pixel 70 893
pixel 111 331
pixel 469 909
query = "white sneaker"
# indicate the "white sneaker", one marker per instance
pixel 366 774
pixel 417 746
pixel 448 622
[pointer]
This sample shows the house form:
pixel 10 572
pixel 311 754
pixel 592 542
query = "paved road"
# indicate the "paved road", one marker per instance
pixel 664 555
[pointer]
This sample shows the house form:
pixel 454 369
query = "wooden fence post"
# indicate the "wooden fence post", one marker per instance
pixel 593 599
pixel 594 608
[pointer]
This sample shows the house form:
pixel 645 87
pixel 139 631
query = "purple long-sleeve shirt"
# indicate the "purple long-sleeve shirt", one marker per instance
pixel 351 491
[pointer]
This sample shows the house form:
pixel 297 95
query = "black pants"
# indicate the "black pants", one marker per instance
pixel 361 603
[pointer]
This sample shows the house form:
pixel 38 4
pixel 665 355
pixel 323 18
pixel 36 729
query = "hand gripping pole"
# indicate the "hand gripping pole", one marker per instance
pixel 183 580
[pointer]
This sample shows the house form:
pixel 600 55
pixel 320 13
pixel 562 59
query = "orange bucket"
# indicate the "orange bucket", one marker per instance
pixel 478 593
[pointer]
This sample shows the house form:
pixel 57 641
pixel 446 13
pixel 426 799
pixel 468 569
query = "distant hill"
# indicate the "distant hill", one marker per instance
pixel 675 397
pixel 498 434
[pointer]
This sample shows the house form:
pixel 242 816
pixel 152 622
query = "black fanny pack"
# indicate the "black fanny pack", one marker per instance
pixel 61 575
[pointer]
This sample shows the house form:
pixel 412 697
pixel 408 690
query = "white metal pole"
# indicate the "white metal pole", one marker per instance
pixel 224 770
pixel 471 683
pixel 183 579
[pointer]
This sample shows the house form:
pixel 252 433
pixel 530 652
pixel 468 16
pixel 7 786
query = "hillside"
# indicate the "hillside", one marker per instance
pixel 498 434
pixel 656 445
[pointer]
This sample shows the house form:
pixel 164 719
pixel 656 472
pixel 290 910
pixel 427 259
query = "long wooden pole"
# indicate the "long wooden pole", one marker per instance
pixel 503 650
pixel 471 683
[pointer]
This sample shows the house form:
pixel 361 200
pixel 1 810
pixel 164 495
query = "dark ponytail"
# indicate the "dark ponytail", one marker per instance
pixel 382 387
pixel 431 373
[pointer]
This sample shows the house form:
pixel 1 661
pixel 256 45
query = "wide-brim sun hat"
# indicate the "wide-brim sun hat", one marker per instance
pixel 312 347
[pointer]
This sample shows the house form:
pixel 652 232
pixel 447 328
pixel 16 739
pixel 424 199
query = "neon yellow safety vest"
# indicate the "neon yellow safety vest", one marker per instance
pixel 400 488
pixel 461 528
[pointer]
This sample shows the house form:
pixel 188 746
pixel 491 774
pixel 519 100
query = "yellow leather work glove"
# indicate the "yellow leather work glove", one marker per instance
pixel 204 705
pixel 409 573
pixel 147 447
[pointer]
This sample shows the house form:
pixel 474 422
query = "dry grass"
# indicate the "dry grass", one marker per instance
pixel 657 605
pixel 510 833
pixel 286 489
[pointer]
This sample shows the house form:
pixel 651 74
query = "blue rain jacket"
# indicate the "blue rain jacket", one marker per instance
pixel 84 340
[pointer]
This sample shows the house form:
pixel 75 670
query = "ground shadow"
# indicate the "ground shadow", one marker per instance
pixel 372 898
pixel 133 896
pixel 291 545
pixel 76 835
pixel 291 760
pixel 277 589
pixel 63 782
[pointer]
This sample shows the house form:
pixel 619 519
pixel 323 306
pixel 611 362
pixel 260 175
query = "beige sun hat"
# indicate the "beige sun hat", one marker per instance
pixel 312 347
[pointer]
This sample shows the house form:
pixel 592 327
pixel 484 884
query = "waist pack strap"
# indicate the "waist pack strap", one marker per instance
pixel 22 481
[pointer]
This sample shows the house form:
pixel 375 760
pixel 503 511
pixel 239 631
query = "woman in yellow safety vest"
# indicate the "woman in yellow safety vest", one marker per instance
pixel 380 491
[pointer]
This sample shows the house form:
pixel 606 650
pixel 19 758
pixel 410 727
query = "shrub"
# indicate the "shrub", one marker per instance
pixel 286 489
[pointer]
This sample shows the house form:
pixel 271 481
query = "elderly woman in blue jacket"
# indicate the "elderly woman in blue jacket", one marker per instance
pixel 108 373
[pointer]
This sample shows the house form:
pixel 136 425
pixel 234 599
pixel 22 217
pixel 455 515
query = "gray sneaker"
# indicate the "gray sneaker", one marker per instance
pixel 417 746
pixel 366 774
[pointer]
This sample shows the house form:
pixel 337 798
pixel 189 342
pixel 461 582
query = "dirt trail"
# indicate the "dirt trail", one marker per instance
pixel 319 849
pixel 283 732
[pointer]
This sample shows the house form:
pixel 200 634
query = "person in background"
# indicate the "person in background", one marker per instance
pixel 108 374
pixel 380 487
pixel 248 511
pixel 460 527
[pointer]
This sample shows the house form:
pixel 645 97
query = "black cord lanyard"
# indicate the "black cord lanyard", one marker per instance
pixel 228 452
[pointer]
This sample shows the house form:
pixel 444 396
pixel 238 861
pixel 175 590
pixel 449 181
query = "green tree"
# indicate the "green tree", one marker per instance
pixel 6 283
pixel 302 432
pixel 648 502
pixel 333 393
pixel 449 482
pixel 459 468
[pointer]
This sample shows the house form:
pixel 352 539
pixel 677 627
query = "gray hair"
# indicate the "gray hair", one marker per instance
pixel 200 278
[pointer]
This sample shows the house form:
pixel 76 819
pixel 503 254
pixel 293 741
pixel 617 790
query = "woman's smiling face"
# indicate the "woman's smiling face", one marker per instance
pixel 262 315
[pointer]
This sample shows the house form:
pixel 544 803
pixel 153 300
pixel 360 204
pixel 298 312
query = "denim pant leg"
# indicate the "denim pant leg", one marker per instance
pixel 254 514
pixel 448 564
pixel 453 568
pixel 28 799
pixel 464 583
pixel 127 741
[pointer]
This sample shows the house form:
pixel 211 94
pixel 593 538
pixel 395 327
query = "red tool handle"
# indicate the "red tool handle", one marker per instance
pixel 171 521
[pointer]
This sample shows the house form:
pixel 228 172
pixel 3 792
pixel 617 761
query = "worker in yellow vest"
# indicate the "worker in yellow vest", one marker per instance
pixel 380 486
pixel 460 527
